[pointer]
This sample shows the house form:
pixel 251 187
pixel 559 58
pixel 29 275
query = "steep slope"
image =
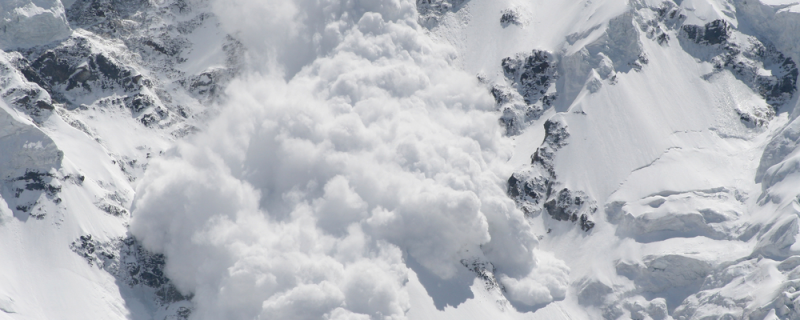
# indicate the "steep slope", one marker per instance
pixel 669 117
pixel 90 94
pixel 437 159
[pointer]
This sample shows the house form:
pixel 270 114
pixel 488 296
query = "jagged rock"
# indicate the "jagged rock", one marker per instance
pixel 29 159
pixel 759 65
pixel 531 92
pixel 102 14
pixel 726 292
pixel 555 138
pixel 570 206
pixel 586 224
pixel 430 11
pixel 534 185
pixel 714 32
pixel 113 209
pixel 132 265
pixel 516 114
pixel 17 91
pixel 509 17
pixel 532 75
pixel 485 271
pixel 533 188
pixel 72 70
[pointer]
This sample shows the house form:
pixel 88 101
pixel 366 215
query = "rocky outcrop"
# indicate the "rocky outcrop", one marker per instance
pixel 132 265
pixel 510 17
pixel 530 90
pixel 28 163
pixel 534 188
pixel 100 65
pixel 759 65
pixel 532 74
pixel 431 11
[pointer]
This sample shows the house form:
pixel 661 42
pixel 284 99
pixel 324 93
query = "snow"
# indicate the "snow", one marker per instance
pixel 356 169
pixel 28 23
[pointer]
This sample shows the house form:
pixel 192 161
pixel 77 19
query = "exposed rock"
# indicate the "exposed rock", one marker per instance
pixel 29 159
pixel 430 11
pixel 532 74
pixel 534 185
pixel 485 271
pixel 530 90
pixel 714 32
pixel 509 17
pixel 533 188
pixel 568 206
pixel 759 65
pixel 134 266
pixel 726 292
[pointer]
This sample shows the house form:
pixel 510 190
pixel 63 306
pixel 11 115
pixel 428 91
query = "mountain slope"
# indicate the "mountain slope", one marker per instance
pixel 437 159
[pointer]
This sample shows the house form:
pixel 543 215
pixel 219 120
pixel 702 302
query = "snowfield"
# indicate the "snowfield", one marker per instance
pixel 398 159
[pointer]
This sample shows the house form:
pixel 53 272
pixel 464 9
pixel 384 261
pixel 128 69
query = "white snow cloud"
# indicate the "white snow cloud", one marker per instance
pixel 301 199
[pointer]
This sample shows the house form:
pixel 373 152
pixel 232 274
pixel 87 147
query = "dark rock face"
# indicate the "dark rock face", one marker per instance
pixel 27 190
pixel 509 17
pixel 39 181
pixel 534 189
pixel 32 181
pixel 27 97
pixel 534 186
pixel 586 225
pixel 755 62
pixel 531 91
pixel 104 14
pixel 532 75
pixel 715 32
pixel 87 70
pixel 555 138
pixel 430 11
pixel 781 86
pixel 134 266
pixel 485 271
pixel 569 206
pixel 747 60
pixel 72 69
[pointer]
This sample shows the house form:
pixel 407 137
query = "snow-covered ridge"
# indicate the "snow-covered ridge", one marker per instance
pixel 204 159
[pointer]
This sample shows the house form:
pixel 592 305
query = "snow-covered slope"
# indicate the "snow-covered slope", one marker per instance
pixel 429 159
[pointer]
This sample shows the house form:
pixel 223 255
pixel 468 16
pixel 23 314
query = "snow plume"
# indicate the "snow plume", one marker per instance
pixel 305 197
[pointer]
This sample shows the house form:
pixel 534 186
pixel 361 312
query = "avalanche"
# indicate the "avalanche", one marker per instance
pixel 398 159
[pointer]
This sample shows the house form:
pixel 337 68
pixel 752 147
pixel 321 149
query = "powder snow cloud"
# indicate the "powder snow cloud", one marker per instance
pixel 355 143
